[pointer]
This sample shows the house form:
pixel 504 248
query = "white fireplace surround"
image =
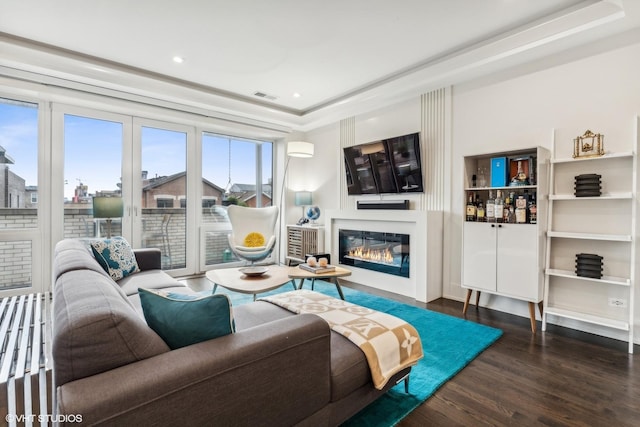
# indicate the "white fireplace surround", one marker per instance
pixel 425 254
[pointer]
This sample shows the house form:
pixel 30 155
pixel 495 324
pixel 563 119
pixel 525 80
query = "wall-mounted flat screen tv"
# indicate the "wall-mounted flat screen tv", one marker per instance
pixel 386 166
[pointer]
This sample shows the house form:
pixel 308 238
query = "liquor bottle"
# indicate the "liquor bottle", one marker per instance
pixel 480 212
pixel 520 178
pixel 511 215
pixel 471 209
pixel 498 210
pixel 533 209
pixel 505 211
pixel 521 210
pixel 490 208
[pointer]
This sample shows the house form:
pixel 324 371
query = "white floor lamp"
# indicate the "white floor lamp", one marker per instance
pixel 294 149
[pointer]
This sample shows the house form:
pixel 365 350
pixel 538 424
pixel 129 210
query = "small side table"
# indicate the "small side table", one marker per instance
pixel 334 276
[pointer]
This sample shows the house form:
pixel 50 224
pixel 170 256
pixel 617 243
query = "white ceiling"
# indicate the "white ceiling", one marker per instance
pixel 340 56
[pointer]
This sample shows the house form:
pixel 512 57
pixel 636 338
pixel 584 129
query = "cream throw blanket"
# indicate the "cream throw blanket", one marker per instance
pixel 389 343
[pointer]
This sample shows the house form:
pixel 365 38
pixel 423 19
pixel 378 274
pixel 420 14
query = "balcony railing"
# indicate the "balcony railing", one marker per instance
pixel 170 237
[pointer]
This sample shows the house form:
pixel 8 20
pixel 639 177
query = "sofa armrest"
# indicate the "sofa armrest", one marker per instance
pixel 148 258
pixel 277 373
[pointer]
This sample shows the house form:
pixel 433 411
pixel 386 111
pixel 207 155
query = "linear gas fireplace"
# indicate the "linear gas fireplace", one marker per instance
pixel 373 250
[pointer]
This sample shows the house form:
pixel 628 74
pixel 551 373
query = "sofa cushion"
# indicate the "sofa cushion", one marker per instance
pixel 95 328
pixel 150 279
pixel 75 254
pixel 349 367
pixel 182 319
pixel 115 256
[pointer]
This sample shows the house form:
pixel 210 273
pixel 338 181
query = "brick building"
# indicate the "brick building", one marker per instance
pixel 170 192
pixel 12 186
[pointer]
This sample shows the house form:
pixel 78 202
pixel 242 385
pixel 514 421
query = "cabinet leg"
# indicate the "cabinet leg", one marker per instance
pixel 540 308
pixel 466 301
pixel 532 315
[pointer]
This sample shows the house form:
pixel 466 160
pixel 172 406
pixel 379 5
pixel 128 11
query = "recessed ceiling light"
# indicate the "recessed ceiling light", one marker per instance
pixel 296 95
pixel 178 59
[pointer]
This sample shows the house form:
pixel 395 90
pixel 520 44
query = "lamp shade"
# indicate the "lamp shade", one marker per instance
pixel 299 149
pixel 107 207
pixel 303 198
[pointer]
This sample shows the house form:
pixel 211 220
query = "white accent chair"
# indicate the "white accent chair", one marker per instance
pixel 249 220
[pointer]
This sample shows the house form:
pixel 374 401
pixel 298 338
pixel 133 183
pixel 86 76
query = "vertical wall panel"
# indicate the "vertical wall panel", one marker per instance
pixel 347 139
pixel 435 122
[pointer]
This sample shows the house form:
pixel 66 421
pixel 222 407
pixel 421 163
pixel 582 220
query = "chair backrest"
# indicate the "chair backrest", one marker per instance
pixel 247 220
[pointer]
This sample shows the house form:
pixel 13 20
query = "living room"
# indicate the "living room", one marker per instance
pixel 544 94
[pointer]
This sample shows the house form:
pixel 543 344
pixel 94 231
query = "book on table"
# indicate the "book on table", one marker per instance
pixel 317 269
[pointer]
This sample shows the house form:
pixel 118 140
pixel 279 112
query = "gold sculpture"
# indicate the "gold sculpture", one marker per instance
pixel 588 145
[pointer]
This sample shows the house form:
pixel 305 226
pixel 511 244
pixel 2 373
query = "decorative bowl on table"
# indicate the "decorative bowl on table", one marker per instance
pixel 253 270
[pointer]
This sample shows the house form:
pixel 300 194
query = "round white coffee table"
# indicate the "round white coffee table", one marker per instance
pixel 234 280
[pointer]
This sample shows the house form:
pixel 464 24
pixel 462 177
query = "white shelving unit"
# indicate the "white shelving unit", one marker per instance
pixel 602 225
pixel 506 259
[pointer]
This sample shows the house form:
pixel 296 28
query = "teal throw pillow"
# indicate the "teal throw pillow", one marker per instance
pixel 182 320
pixel 115 256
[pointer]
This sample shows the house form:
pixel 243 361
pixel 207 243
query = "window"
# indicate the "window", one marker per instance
pixel 18 175
pixel 164 203
pixel 164 158
pixel 34 198
pixel 207 203
pixel 92 167
pixel 234 171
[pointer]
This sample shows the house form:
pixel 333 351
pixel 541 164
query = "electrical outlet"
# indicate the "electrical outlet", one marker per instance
pixel 618 302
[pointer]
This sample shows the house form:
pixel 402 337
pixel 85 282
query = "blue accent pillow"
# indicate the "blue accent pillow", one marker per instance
pixel 115 256
pixel 182 320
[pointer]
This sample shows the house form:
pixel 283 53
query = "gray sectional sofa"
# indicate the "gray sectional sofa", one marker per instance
pixel 112 369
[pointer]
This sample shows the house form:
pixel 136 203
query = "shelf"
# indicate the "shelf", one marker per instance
pixel 622 155
pixel 585 317
pixel 604 196
pixel 518 187
pixel 621 281
pixel 590 236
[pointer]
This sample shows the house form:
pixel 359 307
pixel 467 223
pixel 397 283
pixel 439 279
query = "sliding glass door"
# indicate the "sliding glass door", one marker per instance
pixel 20 218
pixel 93 155
pixel 163 193
pixel 234 171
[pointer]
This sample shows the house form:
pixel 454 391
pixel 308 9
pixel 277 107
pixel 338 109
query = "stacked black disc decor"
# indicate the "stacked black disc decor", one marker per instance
pixel 588 185
pixel 589 265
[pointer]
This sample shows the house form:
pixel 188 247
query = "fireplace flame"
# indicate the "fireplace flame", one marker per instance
pixel 377 255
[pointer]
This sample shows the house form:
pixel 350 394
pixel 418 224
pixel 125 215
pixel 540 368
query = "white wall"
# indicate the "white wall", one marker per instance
pixel 600 93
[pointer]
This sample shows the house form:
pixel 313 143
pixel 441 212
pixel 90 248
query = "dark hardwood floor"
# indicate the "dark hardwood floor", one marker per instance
pixel 560 377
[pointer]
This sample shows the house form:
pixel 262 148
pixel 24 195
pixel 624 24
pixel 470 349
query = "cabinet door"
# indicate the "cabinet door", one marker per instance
pixel 518 274
pixel 479 256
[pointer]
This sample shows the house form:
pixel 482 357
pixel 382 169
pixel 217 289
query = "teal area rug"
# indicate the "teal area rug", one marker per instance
pixel 449 345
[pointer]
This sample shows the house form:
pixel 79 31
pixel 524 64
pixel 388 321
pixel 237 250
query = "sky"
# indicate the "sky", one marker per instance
pixel 93 152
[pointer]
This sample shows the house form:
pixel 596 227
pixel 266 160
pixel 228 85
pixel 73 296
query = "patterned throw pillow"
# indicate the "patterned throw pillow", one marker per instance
pixel 254 240
pixel 115 256
pixel 182 320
